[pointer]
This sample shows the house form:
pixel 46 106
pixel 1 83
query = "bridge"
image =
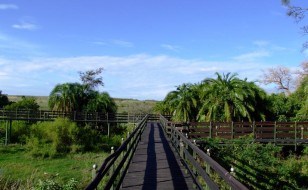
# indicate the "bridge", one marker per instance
pixel 160 154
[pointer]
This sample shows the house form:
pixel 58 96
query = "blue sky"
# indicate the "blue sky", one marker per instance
pixel 146 47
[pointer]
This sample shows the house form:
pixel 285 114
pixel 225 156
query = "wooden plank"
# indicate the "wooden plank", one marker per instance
pixel 265 135
pixel 155 165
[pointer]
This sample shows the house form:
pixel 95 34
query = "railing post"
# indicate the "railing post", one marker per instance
pixel 211 130
pixel 232 130
pixel 94 171
pixel 112 167
pixel 181 149
pixel 108 129
pixel 275 132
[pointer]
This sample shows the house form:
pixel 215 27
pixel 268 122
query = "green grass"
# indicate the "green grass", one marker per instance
pixel 18 168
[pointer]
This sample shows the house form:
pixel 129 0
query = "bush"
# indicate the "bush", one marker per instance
pixel 256 164
pixel 48 139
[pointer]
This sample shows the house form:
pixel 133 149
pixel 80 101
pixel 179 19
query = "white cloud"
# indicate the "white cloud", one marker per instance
pixel 252 56
pixel 171 47
pixel 23 25
pixel 122 43
pixel 8 6
pixel 139 76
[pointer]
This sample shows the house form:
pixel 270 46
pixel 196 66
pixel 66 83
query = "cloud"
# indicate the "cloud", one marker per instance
pixel 171 47
pixel 118 43
pixel 122 43
pixel 11 46
pixel 252 56
pixel 23 25
pixel 140 76
pixel 8 6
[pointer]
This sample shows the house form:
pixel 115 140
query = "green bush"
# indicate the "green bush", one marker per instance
pixel 50 184
pixel 256 164
pixel 48 139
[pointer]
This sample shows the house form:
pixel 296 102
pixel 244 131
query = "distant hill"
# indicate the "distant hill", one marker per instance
pixel 132 106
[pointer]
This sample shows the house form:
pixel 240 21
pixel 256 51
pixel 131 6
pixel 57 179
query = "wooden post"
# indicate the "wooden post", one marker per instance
pixel 295 138
pixel 94 171
pixel 6 133
pixel 108 129
pixel 232 130
pixel 181 148
pixel 211 130
pixel 112 167
pixel 275 132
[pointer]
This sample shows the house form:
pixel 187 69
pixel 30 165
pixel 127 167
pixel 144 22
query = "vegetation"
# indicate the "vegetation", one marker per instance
pixel 228 98
pixel 54 154
pixel 263 166
pixel 20 171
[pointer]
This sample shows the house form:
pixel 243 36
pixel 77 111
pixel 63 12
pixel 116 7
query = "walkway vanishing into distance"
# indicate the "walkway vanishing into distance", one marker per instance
pixel 155 165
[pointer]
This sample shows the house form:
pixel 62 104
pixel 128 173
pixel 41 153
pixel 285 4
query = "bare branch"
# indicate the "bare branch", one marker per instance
pixel 280 76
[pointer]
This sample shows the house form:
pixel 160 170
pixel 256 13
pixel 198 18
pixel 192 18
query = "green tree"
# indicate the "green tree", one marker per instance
pixel 181 103
pixel 25 103
pixel 67 97
pixel 300 99
pixel 101 102
pixel 228 98
pixel 4 100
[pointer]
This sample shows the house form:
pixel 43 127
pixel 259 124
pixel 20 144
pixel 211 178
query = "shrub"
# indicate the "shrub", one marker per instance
pixel 48 139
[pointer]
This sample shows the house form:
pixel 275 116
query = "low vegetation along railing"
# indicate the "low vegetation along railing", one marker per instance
pixel 208 174
pixel 111 173
pixel 44 115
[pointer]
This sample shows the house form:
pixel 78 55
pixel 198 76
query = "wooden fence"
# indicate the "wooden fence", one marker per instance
pixel 275 132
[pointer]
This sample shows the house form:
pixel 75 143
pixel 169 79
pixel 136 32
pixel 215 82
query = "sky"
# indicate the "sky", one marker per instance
pixel 146 47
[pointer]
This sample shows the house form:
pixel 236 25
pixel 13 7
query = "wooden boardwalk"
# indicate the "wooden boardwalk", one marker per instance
pixel 155 165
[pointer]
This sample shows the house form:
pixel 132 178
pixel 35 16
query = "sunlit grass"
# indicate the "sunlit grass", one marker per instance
pixel 18 168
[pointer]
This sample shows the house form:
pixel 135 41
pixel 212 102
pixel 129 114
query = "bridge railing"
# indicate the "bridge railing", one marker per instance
pixel 200 164
pixel 45 115
pixel 291 133
pixel 113 169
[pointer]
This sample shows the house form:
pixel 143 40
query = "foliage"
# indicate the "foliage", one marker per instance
pixel 229 98
pixel 225 98
pixel 25 103
pixel 281 107
pixel 256 164
pixel 50 139
pixel 50 184
pixel 101 102
pixel 4 100
pixel 89 79
pixel 81 96
pixel 67 97
pixel 182 103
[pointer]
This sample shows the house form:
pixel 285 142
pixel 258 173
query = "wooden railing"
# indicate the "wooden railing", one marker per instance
pixel 43 115
pixel 200 164
pixel 291 133
pixel 113 169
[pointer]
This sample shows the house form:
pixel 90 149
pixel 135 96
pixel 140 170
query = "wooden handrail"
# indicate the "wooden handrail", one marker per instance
pixel 118 162
pixel 190 153
pixel 46 115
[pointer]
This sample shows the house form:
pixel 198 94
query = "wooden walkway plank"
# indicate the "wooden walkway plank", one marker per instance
pixel 155 165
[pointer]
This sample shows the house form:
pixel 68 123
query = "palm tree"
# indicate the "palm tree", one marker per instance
pixel 182 103
pixel 227 98
pixel 67 97
pixel 101 102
